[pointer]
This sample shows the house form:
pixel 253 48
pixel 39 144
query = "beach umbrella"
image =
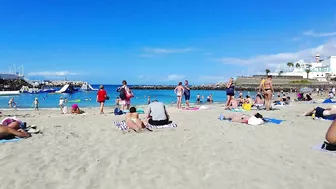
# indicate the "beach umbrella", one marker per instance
pixel 306 90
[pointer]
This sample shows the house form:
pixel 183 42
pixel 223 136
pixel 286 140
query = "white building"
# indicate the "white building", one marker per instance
pixel 320 69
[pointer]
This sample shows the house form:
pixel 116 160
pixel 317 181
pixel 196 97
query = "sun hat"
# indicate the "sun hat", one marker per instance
pixel 74 106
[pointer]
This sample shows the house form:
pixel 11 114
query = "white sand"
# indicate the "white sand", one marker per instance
pixel 87 151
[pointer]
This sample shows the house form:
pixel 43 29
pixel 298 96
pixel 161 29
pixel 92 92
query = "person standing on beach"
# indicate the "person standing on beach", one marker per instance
pixel 229 92
pixel 101 97
pixel 268 91
pixel 36 104
pixel 179 90
pixel 186 93
pixel 61 104
pixel 125 95
pixel 261 86
pixel 198 99
pixel 148 100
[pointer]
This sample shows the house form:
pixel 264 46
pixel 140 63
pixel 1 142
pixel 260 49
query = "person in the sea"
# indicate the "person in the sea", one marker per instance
pixel 101 97
pixel 36 104
pixel 256 119
pixel 12 103
pixel 268 91
pixel 133 121
pixel 148 100
pixel 179 90
pixel 198 99
pixel 75 109
pixel 229 92
pixel 187 93
pixel 157 113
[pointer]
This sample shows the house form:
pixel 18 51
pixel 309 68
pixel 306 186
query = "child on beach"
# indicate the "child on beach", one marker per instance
pixel 36 104
pixel 61 104
pixel 117 102
pixel 12 103
pixel 148 100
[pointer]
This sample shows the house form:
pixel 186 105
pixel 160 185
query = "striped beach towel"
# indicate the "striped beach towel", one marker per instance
pixel 121 125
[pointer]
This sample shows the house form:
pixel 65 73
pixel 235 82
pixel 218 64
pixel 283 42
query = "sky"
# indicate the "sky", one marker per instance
pixel 161 41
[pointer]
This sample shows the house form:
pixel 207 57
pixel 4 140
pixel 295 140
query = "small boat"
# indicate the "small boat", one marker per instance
pixel 9 93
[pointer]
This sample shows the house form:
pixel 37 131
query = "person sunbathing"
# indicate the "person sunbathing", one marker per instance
pixel 8 133
pixel 324 113
pixel 256 119
pixel 75 109
pixel 259 101
pixel 331 135
pixel 233 104
pixel 133 121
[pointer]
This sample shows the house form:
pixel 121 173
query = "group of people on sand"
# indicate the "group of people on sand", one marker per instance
pixel 157 115
pixel 180 91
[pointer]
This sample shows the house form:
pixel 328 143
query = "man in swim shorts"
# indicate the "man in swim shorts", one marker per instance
pixel 324 113
pixel 186 93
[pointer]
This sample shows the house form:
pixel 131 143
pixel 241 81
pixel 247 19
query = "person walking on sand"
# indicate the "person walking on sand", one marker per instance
pixel 101 97
pixel 268 91
pixel 229 92
pixel 179 90
pixel 36 104
pixel 186 93
pixel 61 104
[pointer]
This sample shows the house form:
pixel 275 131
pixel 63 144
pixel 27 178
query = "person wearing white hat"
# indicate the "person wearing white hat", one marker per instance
pixel 36 104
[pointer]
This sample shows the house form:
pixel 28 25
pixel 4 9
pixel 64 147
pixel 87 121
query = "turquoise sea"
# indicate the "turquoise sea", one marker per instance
pixel 25 100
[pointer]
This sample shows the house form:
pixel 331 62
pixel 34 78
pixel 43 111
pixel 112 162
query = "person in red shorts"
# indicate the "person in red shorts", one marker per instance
pixel 101 97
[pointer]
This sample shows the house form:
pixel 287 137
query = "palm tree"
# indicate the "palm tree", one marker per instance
pixel 290 64
pixel 267 71
pixel 280 73
pixel 297 65
pixel 307 71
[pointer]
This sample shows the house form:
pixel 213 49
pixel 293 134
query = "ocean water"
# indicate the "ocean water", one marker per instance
pixel 25 100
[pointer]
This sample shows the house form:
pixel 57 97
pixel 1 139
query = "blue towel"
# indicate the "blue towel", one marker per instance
pixel 328 101
pixel 272 120
pixel 10 140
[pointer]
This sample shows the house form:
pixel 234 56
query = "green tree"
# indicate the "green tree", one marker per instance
pixel 281 72
pixel 267 71
pixel 290 64
pixel 307 71
pixel 297 65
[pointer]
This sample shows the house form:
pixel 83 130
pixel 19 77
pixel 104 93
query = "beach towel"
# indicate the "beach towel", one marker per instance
pixel 272 120
pixel 319 148
pixel 121 125
pixel 328 101
pixel 10 140
pixel 138 111
pixel 237 110
pixel 194 108
pixel 204 108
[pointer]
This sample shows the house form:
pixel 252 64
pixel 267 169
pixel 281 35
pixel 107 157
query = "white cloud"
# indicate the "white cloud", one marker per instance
pixel 321 34
pixel 48 73
pixel 175 77
pixel 167 51
pixel 272 60
pixel 147 55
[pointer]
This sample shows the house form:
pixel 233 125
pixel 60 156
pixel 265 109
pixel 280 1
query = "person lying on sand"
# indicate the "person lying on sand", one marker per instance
pixel 133 121
pixel 7 132
pixel 256 119
pixel 75 109
pixel 324 113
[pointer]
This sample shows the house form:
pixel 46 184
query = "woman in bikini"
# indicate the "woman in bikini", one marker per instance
pixel 133 121
pixel 229 92
pixel 179 91
pixel 268 92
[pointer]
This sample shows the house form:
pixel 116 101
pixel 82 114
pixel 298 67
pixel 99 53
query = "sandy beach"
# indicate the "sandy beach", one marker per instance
pixel 87 151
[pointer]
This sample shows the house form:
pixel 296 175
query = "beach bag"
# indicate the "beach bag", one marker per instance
pixel 117 111
pixel 247 107
pixel 122 94
pixel 129 94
